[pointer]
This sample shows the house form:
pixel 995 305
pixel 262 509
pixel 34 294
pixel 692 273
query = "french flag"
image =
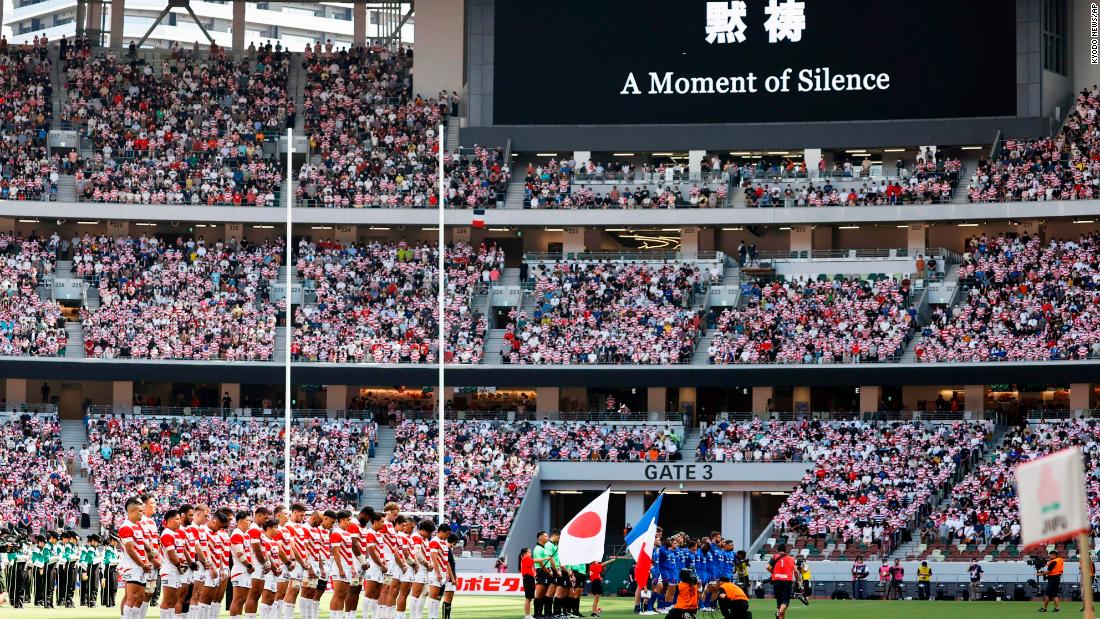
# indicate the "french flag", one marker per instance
pixel 640 542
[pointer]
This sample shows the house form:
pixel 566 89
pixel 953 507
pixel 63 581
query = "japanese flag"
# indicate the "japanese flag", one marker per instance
pixel 582 539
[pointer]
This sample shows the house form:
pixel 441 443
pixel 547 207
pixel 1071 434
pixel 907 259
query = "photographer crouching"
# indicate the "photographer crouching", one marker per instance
pixel 1052 571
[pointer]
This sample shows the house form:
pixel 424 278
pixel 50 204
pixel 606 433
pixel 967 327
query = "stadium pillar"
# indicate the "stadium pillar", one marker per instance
pixel 461 234
pixel 572 241
pixel 15 389
pixel 812 157
pixel 736 512
pixel 95 22
pixel 801 399
pixel 656 399
pixel 346 234
pixel 869 399
pixel 238 25
pixel 688 399
pixel 762 399
pixel 359 23
pixel 547 400
pixel 689 242
pixel 695 164
pixel 581 157
pixel 917 239
pixel 974 397
pixel 802 238
pixel 118 228
pixel 118 23
pixel 122 393
pixel 634 507
pixel 336 398
pixel 234 391
pixel 1081 396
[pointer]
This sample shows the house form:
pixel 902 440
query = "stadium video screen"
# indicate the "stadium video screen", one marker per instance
pixel 751 61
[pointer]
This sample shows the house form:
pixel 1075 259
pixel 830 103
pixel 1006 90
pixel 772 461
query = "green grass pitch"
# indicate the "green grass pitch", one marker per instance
pixel 487 607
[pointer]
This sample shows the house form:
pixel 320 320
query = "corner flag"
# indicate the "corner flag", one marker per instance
pixel 582 539
pixel 640 542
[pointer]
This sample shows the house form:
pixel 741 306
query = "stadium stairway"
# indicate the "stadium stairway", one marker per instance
pixel 280 344
pixel 690 446
pixel 75 347
pixel 494 343
pixel 701 357
pixel 296 83
pixel 514 197
pixel 74 436
pixel 451 139
pixel 66 188
pixel 510 277
pixel 92 298
pixel 373 494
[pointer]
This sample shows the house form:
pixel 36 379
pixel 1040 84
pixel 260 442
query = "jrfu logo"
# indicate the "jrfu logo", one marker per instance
pixel 726 21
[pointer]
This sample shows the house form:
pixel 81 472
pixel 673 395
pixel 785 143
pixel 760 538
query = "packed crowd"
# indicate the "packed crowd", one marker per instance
pixel 870 480
pixel 36 488
pixel 237 462
pixel 983 508
pixel 373 144
pixel 564 184
pixel 757 441
pixel 609 312
pixel 1027 301
pixel 809 321
pixel 488 465
pixel 1062 167
pixel 29 325
pixel 376 303
pixel 194 128
pixel 186 299
pixel 27 172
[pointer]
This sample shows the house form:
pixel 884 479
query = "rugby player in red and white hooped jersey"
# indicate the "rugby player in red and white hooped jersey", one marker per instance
pixel 152 543
pixel 391 549
pixel 134 567
pixel 258 558
pixel 301 570
pixel 187 531
pixel 342 568
pixel 439 553
pixel 378 565
pixel 404 527
pixel 196 533
pixel 212 558
pixel 240 574
pixel 174 563
pixel 355 585
pixel 227 548
pixel 321 524
pixel 282 555
pixel 273 567
pixel 419 545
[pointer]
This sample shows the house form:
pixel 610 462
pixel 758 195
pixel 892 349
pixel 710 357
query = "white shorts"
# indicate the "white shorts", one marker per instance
pixel 421 575
pixel 349 574
pixel 211 581
pixel 433 580
pixel 450 586
pixel 271 582
pixel 242 580
pixel 374 574
pixel 296 574
pixel 320 569
pixel 171 579
pixel 257 572
pixel 409 575
pixel 395 570
pixel 135 575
